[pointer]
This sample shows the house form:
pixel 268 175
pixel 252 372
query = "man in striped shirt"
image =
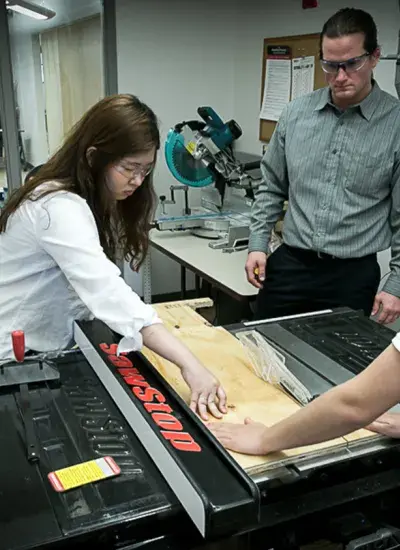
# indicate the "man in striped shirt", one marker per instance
pixel 335 156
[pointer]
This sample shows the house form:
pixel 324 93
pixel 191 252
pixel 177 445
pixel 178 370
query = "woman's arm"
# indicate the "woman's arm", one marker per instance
pixel 338 412
pixel 67 232
pixel 206 390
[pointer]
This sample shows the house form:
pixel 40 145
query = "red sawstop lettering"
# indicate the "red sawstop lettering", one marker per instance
pixel 128 372
pixel 109 349
pixel 162 407
pixel 120 361
pixel 167 421
pixel 137 380
pixel 154 402
pixel 182 441
pixel 148 395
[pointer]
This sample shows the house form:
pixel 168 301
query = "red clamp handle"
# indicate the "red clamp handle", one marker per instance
pixel 18 342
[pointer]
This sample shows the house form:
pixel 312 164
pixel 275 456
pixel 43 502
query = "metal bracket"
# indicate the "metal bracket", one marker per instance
pixel 236 239
pixel 32 444
pixel 173 188
pixel 28 372
pixel 385 538
pixel 22 374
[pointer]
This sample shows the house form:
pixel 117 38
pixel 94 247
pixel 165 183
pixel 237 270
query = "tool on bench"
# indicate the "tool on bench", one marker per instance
pixel 22 372
pixel 200 155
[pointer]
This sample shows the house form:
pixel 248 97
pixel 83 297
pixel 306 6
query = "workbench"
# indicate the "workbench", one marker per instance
pixel 178 487
pixel 224 272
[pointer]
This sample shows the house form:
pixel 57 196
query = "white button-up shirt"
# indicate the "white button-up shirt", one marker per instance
pixel 53 271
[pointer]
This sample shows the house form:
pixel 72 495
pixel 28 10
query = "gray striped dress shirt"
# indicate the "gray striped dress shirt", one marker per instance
pixel 340 172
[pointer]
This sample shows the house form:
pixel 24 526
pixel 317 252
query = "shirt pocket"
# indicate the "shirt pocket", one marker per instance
pixel 368 173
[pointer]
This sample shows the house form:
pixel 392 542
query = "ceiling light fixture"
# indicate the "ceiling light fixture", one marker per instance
pixel 30 9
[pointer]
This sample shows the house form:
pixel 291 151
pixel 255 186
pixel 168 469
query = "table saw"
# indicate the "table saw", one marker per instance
pixel 178 487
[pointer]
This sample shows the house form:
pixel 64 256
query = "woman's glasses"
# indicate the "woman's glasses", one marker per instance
pixel 134 170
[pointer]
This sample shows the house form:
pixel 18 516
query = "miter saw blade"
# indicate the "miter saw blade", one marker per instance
pixel 183 166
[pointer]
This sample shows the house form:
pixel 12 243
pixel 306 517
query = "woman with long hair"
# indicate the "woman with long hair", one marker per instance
pixel 63 230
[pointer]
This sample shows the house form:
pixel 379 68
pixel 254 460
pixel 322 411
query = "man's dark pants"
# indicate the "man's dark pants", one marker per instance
pixel 300 281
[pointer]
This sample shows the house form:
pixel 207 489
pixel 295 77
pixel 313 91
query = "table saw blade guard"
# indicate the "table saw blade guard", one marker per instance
pixel 269 365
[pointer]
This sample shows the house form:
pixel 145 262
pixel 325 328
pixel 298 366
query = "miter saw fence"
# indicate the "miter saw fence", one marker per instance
pixel 200 154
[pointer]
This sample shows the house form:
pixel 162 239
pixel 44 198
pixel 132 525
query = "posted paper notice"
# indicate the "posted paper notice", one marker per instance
pixel 276 88
pixel 303 69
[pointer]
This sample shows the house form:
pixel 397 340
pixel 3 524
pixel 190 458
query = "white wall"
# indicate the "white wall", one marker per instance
pixel 178 55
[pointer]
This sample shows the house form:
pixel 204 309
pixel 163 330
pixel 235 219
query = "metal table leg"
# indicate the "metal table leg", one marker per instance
pixel 183 283
pixel 147 280
pixel 198 286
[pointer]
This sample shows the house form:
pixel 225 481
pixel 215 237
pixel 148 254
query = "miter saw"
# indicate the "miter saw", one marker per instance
pixel 199 154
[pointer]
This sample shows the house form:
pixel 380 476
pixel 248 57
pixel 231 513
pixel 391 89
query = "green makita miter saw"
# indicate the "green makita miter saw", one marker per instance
pixel 199 154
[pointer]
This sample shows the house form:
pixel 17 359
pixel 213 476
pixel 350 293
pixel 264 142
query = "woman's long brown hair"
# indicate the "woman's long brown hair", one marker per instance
pixel 117 126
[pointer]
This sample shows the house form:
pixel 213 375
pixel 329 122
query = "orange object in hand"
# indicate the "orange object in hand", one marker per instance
pixel 18 342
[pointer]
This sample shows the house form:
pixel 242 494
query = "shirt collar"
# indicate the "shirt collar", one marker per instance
pixel 324 100
pixel 371 102
pixel 367 105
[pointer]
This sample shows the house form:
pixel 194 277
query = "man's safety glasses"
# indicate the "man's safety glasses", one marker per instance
pixel 350 65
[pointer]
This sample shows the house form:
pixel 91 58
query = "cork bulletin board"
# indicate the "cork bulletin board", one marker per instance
pixel 300 46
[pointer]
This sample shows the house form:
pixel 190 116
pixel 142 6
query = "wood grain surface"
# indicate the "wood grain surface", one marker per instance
pixel 248 395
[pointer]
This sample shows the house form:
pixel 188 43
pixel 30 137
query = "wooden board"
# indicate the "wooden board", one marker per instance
pixel 248 395
pixel 360 434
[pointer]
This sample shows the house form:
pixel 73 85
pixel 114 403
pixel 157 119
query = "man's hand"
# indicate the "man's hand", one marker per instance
pixel 207 392
pixel 387 424
pixel 244 438
pixel 389 306
pixel 255 268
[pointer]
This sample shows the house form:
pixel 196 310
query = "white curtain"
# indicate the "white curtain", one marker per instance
pixel 73 76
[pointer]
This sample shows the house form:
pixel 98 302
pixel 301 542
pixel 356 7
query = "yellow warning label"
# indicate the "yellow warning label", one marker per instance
pixel 191 146
pixel 84 473
pixel 80 474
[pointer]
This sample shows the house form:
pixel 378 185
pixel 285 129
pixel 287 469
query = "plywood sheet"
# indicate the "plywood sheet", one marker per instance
pixel 248 395
pixel 176 315
pixel 360 435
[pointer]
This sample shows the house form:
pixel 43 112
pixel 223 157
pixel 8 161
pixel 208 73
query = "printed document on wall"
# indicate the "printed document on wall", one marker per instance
pixel 303 69
pixel 276 88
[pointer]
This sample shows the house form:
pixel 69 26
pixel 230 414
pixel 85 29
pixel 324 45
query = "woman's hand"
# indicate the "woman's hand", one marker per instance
pixel 247 438
pixel 206 392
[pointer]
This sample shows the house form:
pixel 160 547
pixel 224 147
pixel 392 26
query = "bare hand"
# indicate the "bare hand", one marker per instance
pixel 244 438
pixel 207 393
pixel 387 424
pixel 389 306
pixel 255 268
